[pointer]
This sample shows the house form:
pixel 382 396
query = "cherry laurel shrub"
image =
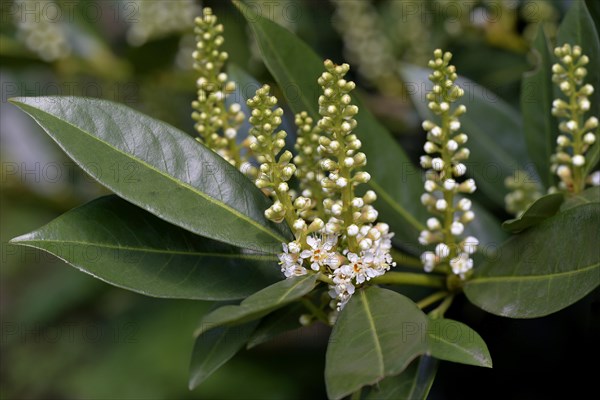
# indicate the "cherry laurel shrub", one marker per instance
pixel 333 229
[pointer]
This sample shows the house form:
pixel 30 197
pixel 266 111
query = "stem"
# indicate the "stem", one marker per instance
pixel 356 395
pixel 347 192
pixel 409 278
pixel 433 298
pixel 317 312
pixel 448 194
pixel 578 178
pixel 325 279
pixel 405 259
pixel 442 308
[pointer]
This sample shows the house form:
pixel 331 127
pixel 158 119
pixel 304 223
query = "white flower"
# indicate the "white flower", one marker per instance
pixel 361 271
pixel 442 250
pixel 452 145
pixel 449 184
pixel 320 250
pixel 461 264
pixel 352 230
pixel 464 204
pixel 429 260
pixel 291 265
pixel 437 164
pixel 441 205
pixel 470 244
pixel 425 237
pixel 457 228
pixel 589 138
pixel 433 224
pixel 578 160
pixel 342 289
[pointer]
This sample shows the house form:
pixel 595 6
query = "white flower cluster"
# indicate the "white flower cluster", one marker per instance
pixel 577 133
pixel 216 123
pixel 43 34
pixel 444 164
pixel 156 19
pixel 349 248
pixel 326 254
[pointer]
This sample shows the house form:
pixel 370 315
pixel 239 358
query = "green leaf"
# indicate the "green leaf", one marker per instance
pixel 378 333
pixel 494 128
pixel 541 209
pixel 454 341
pixel 128 247
pixel 260 303
pixel 215 347
pixel 414 383
pixel 542 270
pixel 158 168
pixel 296 68
pixel 590 195
pixel 578 28
pixel 276 323
pixel 537 94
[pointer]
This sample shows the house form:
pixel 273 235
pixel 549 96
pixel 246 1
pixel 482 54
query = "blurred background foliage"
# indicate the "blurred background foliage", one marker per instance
pixel 67 335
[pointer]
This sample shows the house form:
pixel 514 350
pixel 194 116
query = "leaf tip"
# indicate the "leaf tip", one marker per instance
pixel 20 240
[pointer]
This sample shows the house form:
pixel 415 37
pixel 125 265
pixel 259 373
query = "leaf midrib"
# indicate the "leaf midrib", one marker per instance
pixel 257 257
pixel 159 172
pixel 532 277
pixel 378 350
pixel 462 349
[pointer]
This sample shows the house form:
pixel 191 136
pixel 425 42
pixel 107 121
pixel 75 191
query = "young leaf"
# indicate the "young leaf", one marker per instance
pixel 543 269
pixel 214 348
pixel 378 334
pixel 296 69
pixel 158 168
pixel 454 341
pixel 494 128
pixel 537 94
pixel 590 195
pixel 276 323
pixel 260 303
pixel 414 383
pixel 121 244
pixel 543 208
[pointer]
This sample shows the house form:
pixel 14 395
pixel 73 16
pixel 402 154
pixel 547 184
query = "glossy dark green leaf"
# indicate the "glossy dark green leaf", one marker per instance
pixel 543 208
pixel 158 168
pixel 494 128
pixel 414 383
pixel 578 28
pixel 537 94
pixel 260 303
pixel 121 244
pixel 377 334
pixel 542 270
pixel 215 347
pixel 594 9
pixel 276 323
pixel 296 69
pixel 590 195
pixel 454 341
